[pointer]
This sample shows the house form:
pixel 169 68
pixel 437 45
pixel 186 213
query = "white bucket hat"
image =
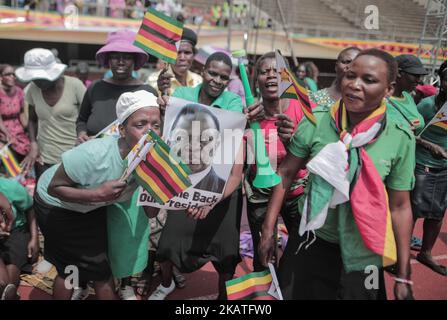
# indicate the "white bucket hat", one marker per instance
pixel 129 102
pixel 40 64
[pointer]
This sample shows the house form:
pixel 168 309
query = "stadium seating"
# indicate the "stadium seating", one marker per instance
pixel 345 18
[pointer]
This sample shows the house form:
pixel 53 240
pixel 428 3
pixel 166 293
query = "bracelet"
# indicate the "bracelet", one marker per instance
pixel 406 281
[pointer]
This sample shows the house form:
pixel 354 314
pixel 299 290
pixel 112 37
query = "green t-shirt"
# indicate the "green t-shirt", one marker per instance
pixel 404 111
pixel 227 100
pixel 434 134
pixel 19 198
pixel 393 156
pixel 88 165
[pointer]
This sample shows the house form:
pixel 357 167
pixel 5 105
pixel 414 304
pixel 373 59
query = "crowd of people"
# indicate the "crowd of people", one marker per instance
pixel 367 120
pixel 219 14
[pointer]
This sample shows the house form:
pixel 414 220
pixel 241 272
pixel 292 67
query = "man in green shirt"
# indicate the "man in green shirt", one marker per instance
pixel 401 106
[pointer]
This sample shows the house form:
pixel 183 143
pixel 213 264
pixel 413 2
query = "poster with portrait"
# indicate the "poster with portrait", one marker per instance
pixel 207 139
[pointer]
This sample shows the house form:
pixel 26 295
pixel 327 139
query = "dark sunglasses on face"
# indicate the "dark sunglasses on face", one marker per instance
pixel 8 74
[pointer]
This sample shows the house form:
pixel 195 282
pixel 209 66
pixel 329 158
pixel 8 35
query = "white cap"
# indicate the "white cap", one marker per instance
pixel 129 102
pixel 40 64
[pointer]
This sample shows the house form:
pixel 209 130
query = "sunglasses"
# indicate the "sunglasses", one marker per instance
pixel 8 74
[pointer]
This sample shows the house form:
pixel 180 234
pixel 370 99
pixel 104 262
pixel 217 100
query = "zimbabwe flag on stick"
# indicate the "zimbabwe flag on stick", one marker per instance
pixel 291 88
pixel 159 35
pixel 162 175
pixel 439 120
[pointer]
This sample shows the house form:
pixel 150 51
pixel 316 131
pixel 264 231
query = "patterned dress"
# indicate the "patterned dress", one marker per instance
pixel 10 109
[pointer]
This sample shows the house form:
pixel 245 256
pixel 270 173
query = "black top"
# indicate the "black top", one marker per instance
pixel 98 108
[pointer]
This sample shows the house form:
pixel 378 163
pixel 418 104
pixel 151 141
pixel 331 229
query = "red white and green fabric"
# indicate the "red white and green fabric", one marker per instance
pixel 342 172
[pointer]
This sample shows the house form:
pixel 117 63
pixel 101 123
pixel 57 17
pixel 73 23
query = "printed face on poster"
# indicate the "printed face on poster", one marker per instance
pixel 207 139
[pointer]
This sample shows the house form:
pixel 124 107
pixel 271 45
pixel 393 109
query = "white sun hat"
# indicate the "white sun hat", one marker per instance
pixel 40 64
pixel 129 102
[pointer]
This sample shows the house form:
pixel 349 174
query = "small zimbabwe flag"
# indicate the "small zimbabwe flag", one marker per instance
pixel 111 130
pixel 158 35
pixel 10 162
pixel 162 175
pixel 440 119
pixel 255 286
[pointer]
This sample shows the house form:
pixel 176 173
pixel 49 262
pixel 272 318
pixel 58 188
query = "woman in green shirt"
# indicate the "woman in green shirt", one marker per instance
pixel 72 198
pixel 189 243
pixel 342 225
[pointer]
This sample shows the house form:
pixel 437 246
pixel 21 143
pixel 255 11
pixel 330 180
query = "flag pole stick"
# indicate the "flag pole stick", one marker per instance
pixel 420 133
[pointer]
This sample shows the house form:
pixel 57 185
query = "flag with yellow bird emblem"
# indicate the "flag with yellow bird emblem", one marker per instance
pixel 291 88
